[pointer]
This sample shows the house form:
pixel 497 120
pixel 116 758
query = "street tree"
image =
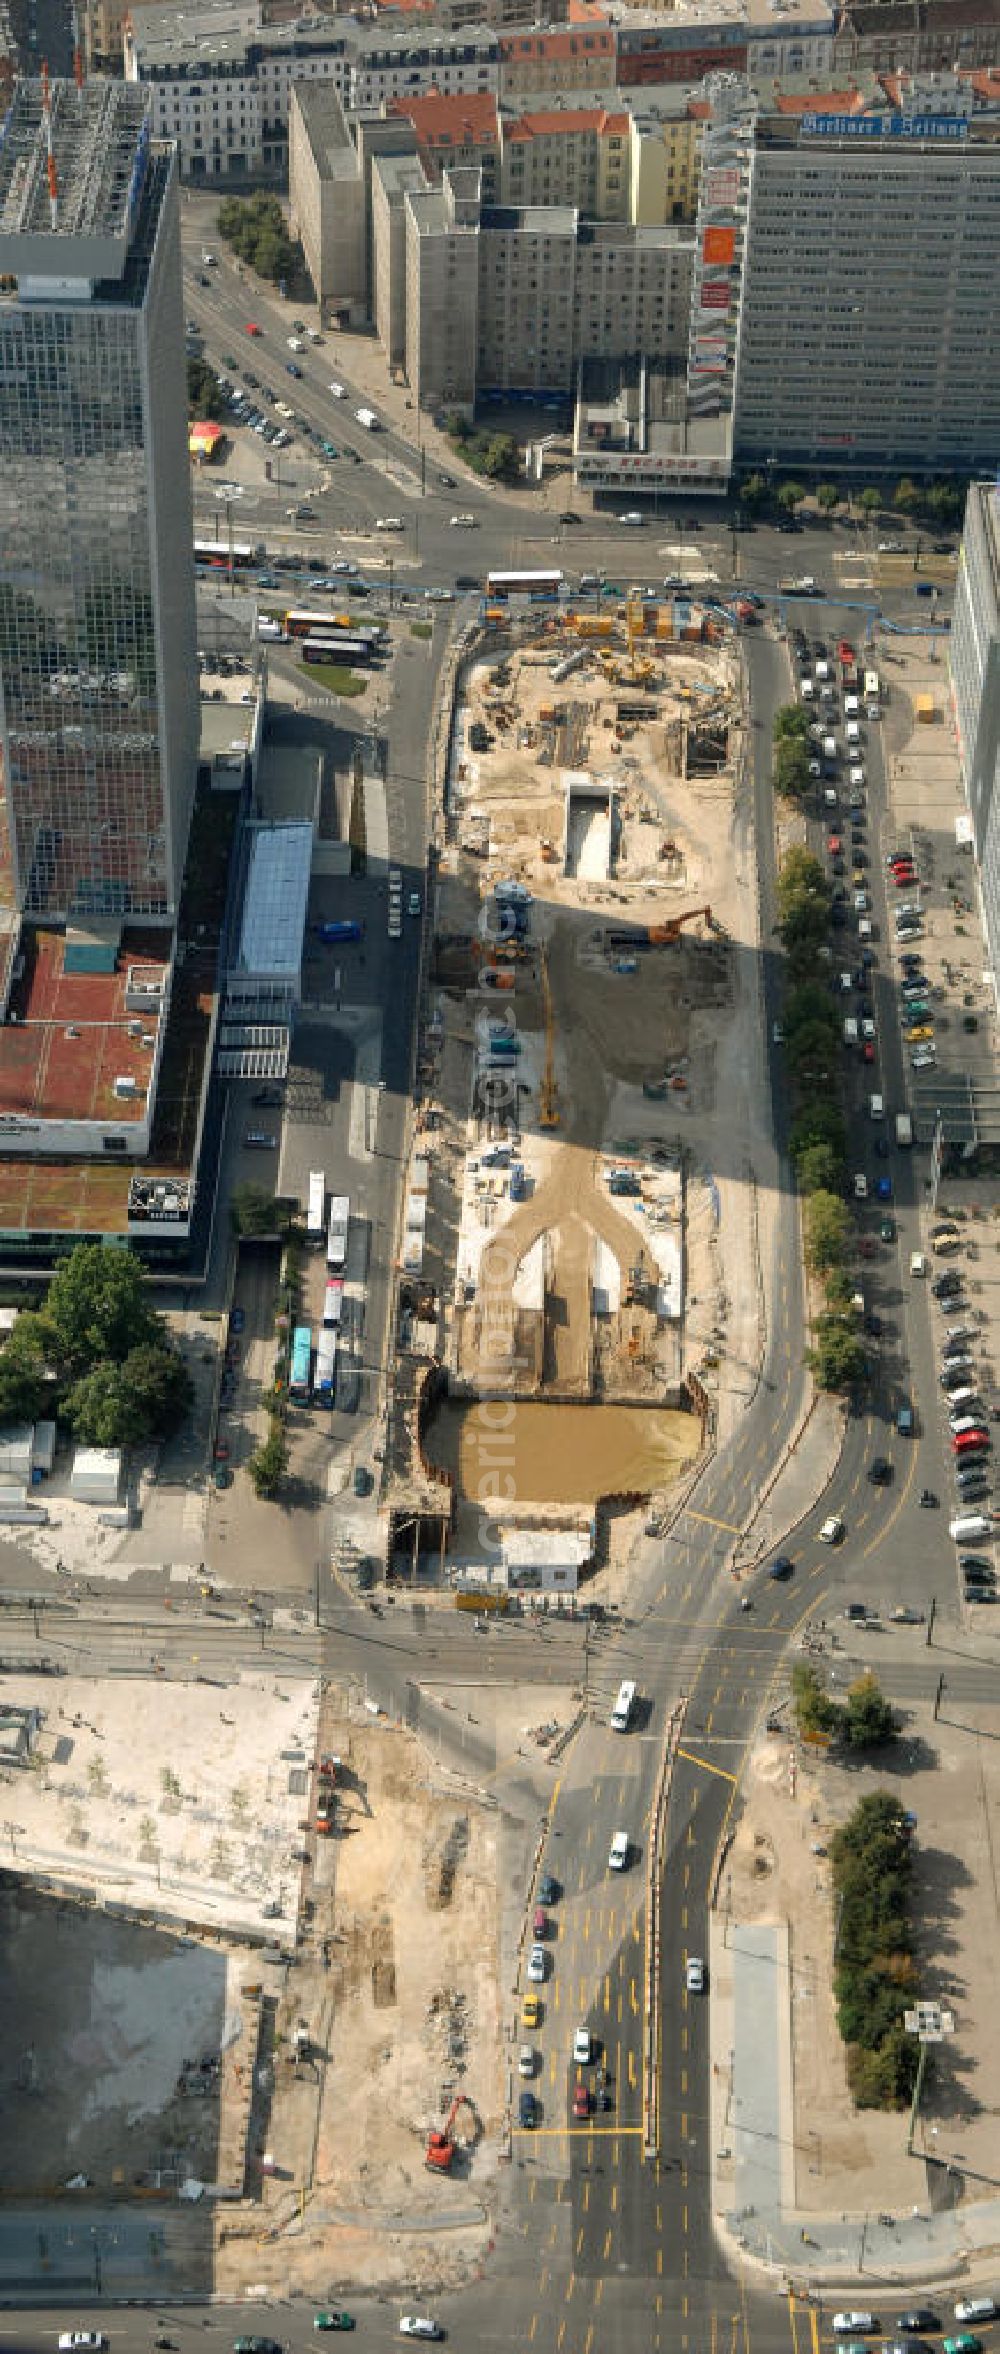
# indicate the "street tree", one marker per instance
pixel 827 1228
pixel 791 771
pixel 791 723
pixel 160 1388
pixel 809 1054
pixel 101 1410
pixel 870 502
pixel 819 1169
pixel 790 496
pixel 269 1462
pixel 837 1357
pixel 818 1121
pixel 203 395
pixel 869 1720
pixel 753 490
pixel 815 1712
pixel 828 497
pixel 906 497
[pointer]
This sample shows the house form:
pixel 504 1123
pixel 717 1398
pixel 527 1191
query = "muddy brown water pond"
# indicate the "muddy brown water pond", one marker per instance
pixel 534 1453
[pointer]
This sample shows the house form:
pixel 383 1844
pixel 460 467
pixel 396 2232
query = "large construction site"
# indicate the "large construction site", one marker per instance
pixel 561 1245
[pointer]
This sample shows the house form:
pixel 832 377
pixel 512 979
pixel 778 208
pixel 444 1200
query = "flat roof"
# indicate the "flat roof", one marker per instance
pixel 97 138
pixel 68 1036
pixel 324 122
pixel 275 900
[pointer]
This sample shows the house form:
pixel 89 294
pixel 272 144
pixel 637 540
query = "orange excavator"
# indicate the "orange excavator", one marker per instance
pixel 439 2155
pixel 664 935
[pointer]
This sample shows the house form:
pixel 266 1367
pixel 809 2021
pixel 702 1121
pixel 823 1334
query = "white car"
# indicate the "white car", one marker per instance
pixel 537 1965
pixel 209 260
pixel 295 343
pixel 832 1530
pixel 462 523
pixel 416 2325
pixel 79 2341
pixel 526 2060
pixel 860 1186
pixel 847 2325
pixel 976 2309
pixel 395 927
pixel 339 391
pixel 390 523
pixel 923 1058
pixel 618 1854
pixel 633 516
pixel 439 596
pixel 582 2047
pixel 413 903
pixel 395 879
pixel 343 566
pixel 694 1975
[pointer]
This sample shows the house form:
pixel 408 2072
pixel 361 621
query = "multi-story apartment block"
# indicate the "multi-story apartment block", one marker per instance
pixel 515 295
pixel 451 132
pixel 917 35
pixel 575 57
pixel 974 660
pixel 224 93
pixel 868 330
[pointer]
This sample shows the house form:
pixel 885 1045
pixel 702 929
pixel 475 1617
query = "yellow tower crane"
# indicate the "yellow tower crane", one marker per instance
pixel 548 1101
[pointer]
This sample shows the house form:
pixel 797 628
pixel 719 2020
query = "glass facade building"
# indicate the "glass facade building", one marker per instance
pixel 98 676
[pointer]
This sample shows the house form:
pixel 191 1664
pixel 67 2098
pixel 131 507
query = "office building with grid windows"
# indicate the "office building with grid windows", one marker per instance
pixel 99 709
pixel 974 662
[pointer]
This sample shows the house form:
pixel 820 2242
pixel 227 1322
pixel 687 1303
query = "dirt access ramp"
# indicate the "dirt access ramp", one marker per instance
pixel 404 2012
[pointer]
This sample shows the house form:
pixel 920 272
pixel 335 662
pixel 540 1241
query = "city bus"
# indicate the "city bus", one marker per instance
pixel 316 1212
pixel 326 1366
pixel 301 622
pixel 336 1239
pixel 621 1714
pixel 538 587
pixel 216 553
pixel 339 649
pixel 300 1377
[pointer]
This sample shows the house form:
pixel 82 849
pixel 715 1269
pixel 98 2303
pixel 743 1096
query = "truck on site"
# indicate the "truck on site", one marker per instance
pixel 368 418
pixel 799 584
pixel 904 1129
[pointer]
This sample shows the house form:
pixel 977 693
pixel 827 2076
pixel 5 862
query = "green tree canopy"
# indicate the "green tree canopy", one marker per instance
pixel 269 1463
pixel 906 497
pixel 827 1231
pixel 98 1307
pixel 255 1211
pixel 870 501
pixel 791 721
pixel 811 1055
pixel 790 496
pixel 869 1720
pixel 753 490
pixel 25 1386
pixel 819 1121
pixel 837 1357
pixel 204 398
pixel 819 1169
pixel 828 497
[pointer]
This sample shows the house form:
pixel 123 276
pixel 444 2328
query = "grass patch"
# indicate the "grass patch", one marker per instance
pixel 421 629
pixel 337 678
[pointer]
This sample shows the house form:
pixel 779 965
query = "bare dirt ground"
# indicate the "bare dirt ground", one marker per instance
pixel 404 2010
pixel 660 1022
pixel 948 1774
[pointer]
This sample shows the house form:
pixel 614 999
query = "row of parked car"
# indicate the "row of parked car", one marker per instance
pixel 968 1420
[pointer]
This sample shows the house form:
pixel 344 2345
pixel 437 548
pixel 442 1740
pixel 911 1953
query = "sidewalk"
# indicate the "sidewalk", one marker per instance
pixel 753 2153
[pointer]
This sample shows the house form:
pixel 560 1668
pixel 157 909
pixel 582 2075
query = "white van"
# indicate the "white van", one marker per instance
pixel 851 707
pixel 807 690
pixel 618 1855
pixel 856 779
pixel 822 669
pixel 876 1108
pixel 972 1528
pixel 853 732
pixel 850 1030
pixel 918 1263
pixel 829 747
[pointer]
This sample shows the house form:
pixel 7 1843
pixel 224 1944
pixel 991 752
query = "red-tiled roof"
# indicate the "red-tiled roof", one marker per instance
pixel 570 121
pixel 466 120
pixel 833 102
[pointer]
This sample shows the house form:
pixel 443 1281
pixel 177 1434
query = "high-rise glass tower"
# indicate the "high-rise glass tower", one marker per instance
pixel 98 677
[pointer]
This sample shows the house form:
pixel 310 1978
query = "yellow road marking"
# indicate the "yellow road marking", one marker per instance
pixel 706 1766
